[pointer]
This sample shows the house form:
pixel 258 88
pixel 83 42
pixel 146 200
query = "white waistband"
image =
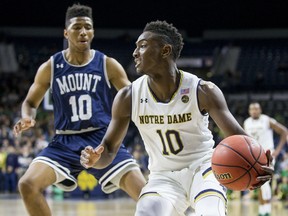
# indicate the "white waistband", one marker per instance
pixel 76 132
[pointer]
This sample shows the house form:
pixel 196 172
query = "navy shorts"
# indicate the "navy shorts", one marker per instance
pixel 63 155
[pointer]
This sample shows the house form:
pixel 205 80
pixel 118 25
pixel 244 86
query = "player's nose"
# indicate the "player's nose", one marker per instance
pixel 83 31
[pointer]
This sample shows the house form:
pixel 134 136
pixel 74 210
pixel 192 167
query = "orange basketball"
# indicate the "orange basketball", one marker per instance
pixel 237 161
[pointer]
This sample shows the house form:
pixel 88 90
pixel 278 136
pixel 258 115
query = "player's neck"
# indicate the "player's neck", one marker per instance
pixel 163 88
pixel 256 117
pixel 78 58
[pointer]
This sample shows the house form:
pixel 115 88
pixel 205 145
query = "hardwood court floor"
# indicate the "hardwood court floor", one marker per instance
pixel 120 207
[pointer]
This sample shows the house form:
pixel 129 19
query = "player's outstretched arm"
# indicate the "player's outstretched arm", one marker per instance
pixel 103 155
pixel 33 99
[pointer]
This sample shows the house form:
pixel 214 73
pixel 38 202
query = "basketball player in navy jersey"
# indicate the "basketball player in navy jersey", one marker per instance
pixel 170 108
pixel 80 80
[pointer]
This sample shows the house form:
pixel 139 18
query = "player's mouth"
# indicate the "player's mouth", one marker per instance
pixel 83 41
pixel 137 63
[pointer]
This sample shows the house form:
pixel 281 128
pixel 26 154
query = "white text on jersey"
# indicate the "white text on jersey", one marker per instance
pixel 78 81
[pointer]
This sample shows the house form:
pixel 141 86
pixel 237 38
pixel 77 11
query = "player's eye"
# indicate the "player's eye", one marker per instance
pixel 142 46
pixel 76 27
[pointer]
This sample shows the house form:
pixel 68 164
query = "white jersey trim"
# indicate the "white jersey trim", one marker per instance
pixel 76 132
pixel 59 170
pixel 52 73
pixel 105 71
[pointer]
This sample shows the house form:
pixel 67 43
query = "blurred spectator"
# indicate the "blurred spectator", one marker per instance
pixel 283 185
pixel 6 134
pixel 141 157
pixel 40 143
pixel 10 172
pixel 24 159
pixel 3 156
pixel 8 60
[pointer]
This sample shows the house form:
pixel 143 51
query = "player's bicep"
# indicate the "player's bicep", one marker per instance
pixel 40 85
pixel 277 127
pixel 116 73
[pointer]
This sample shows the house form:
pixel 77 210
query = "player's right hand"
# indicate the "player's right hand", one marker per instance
pixel 269 170
pixel 22 125
pixel 90 156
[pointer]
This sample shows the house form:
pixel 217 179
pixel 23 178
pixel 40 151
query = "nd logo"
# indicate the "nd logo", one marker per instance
pixel 86 181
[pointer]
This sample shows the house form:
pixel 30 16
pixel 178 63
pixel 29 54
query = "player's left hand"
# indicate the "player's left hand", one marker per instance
pixel 90 156
pixel 269 170
pixel 22 125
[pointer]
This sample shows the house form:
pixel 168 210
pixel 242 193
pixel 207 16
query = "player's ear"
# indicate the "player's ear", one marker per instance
pixel 93 34
pixel 65 34
pixel 166 50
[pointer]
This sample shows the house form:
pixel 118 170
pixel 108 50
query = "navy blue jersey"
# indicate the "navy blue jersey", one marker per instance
pixel 81 94
pixel 82 100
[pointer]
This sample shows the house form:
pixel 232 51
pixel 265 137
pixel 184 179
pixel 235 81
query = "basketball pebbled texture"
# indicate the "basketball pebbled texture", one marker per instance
pixel 237 161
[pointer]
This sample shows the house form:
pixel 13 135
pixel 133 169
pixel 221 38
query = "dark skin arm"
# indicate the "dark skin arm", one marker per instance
pixel 104 154
pixel 116 73
pixel 212 101
pixel 281 130
pixel 33 99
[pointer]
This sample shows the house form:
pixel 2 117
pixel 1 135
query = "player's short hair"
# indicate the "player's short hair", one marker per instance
pixel 253 103
pixel 169 34
pixel 78 10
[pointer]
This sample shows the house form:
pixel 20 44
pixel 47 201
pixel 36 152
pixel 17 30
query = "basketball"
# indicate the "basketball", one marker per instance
pixel 237 161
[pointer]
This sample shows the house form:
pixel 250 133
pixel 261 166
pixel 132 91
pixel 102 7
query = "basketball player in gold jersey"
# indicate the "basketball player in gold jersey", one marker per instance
pixel 170 108
pixel 262 127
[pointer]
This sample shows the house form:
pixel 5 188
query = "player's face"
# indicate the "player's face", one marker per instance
pixel 79 33
pixel 147 54
pixel 254 111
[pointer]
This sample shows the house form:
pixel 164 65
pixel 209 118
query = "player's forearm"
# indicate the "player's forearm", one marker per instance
pixel 107 157
pixel 280 145
pixel 104 161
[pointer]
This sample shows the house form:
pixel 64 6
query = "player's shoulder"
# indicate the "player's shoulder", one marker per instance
pixel 123 97
pixel 113 66
pixel 125 92
pixel 189 76
pixel 268 119
pixel 208 88
pixel 46 66
pixel 265 117
pixel 207 84
pixel 111 60
pixel 137 82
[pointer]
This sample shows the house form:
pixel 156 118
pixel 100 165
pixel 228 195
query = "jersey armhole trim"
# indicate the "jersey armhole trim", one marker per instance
pixel 131 103
pixel 52 73
pixel 105 71
pixel 206 114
